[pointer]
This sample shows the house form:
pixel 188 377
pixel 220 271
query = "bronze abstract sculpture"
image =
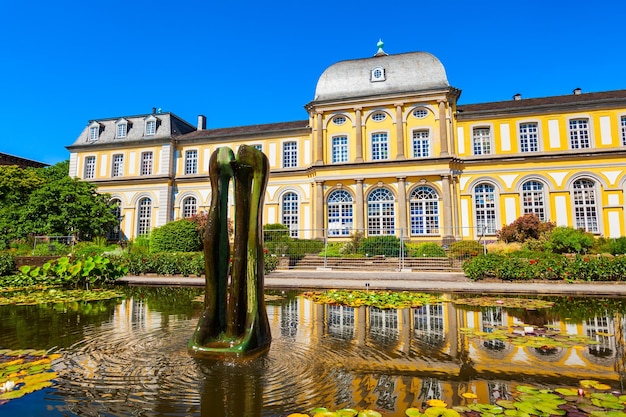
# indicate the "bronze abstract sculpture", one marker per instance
pixel 234 322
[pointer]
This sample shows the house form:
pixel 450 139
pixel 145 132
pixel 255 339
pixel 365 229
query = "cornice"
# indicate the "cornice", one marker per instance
pixel 121 144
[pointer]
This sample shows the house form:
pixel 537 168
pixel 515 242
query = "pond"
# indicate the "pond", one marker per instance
pixel 128 357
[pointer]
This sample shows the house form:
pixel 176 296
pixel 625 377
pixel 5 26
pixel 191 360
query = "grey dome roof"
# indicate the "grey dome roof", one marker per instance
pixel 413 71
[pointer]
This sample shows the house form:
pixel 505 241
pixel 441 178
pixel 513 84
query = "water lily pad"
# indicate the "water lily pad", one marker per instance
pixel 326 414
pixel 608 414
pixel 441 412
pixel 588 383
pixel 614 405
pixel 567 391
pixel 516 413
pixel 508 404
pixel 369 413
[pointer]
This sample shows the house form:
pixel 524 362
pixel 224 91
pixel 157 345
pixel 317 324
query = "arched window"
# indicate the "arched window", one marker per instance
pixel 533 199
pixel 290 212
pixel 114 233
pixel 485 208
pixel 424 208
pixel 190 207
pixel 144 216
pixel 380 212
pixel 585 206
pixel 340 215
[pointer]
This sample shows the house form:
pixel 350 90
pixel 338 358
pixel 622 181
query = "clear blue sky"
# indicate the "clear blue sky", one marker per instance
pixel 250 62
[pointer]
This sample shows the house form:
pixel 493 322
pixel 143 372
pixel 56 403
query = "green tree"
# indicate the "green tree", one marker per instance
pixel 46 201
pixel 67 206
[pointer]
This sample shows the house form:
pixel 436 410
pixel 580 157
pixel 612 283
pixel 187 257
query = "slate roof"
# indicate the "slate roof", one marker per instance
pixel 545 103
pixel 168 125
pixel 252 130
pixel 7 159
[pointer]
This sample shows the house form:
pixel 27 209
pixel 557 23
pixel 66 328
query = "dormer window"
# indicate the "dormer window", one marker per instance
pixel 94 132
pixel 121 129
pixel 151 124
pixel 377 74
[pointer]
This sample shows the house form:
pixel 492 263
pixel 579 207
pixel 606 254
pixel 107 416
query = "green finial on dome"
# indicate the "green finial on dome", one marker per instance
pixel 380 45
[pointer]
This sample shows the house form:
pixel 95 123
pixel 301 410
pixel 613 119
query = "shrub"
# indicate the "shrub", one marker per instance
pixel 7 264
pixel 503 248
pixel 276 238
pixel 462 249
pixel 569 240
pixel 270 263
pixel 380 245
pixel 141 244
pixel 427 249
pixel 617 246
pixel 333 249
pixel 178 236
pixel 352 246
pixel 529 226
pixel 483 266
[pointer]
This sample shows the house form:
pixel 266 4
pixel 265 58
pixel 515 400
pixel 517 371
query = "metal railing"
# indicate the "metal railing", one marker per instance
pixel 388 250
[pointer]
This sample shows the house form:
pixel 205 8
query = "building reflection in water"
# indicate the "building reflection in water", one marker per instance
pixel 335 356
pixel 422 354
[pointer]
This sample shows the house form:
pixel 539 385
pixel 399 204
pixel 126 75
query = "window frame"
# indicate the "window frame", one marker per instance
pixel 339 151
pixel 191 162
pixel 420 151
pixel 378 116
pixel 622 127
pixel 586 214
pixel 420 113
pixel 188 208
pixel 150 126
pixel 528 141
pixel 147 164
pixel 381 212
pixel 290 212
pixel 144 216
pixel 89 170
pixel 340 209
pixel 121 129
pixel 94 133
pixel 578 136
pixel 530 203
pixel 290 154
pixel 482 143
pixel 339 119
pixel 379 147
pixel 117 165
pixel 485 216
pixel 424 211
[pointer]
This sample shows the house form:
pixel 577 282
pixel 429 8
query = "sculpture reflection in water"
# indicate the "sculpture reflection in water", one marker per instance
pixel 234 322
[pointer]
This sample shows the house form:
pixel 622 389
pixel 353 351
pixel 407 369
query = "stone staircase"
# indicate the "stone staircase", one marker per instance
pixel 378 263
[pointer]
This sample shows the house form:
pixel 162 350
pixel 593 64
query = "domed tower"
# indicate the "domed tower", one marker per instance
pixel 381 134
pixel 395 84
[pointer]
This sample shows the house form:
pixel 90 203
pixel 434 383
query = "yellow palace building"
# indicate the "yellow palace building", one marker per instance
pixel 385 150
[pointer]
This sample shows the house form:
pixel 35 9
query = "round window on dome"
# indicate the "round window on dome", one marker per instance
pixel 379 117
pixel 339 120
pixel 420 113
